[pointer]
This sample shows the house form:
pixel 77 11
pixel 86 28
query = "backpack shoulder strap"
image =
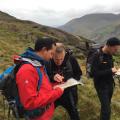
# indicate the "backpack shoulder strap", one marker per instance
pixel 40 78
pixel 39 73
pixel 96 53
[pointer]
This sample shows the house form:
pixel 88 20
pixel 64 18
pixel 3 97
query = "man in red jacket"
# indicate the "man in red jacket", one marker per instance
pixel 27 81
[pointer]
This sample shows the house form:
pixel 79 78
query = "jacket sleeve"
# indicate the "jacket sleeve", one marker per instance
pixel 29 97
pixel 77 72
pixel 96 70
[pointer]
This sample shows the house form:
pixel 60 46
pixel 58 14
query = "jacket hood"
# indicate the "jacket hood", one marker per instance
pixel 30 53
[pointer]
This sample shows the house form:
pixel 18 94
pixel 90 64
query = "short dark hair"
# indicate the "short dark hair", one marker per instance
pixel 46 42
pixel 113 41
pixel 60 48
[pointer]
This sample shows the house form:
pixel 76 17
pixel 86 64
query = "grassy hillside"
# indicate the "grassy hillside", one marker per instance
pixel 17 35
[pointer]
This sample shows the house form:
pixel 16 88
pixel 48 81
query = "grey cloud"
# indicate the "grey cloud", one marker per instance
pixel 53 18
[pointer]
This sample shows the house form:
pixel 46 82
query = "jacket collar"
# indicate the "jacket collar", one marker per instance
pixel 31 55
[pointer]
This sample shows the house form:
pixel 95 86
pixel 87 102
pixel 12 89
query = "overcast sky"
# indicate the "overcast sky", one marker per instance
pixel 57 12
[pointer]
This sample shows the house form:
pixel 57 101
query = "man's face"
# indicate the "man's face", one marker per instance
pixel 48 54
pixel 113 49
pixel 59 58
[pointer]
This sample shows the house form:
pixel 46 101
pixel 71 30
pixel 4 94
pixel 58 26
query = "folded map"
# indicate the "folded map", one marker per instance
pixel 70 82
pixel 118 72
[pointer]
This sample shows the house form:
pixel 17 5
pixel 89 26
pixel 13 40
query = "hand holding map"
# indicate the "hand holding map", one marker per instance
pixel 70 82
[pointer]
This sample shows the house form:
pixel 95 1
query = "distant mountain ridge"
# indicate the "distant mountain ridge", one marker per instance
pixel 97 27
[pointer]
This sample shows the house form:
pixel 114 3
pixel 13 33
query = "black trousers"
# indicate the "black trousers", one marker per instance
pixel 69 101
pixel 105 95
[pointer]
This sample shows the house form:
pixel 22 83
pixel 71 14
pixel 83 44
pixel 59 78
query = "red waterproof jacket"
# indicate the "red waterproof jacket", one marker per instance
pixel 27 81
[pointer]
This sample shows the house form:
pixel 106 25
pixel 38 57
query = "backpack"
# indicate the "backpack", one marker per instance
pixel 9 89
pixel 89 61
pixel 4 75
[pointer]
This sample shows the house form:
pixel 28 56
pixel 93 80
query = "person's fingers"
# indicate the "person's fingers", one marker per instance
pixel 61 78
pixel 57 79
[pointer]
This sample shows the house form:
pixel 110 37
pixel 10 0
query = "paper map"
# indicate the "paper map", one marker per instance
pixel 118 72
pixel 70 82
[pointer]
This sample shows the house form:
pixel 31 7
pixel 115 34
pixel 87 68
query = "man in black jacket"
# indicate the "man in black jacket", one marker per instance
pixel 62 67
pixel 103 71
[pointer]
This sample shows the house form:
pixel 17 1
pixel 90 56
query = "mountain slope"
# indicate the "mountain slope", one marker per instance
pixel 97 27
pixel 16 35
